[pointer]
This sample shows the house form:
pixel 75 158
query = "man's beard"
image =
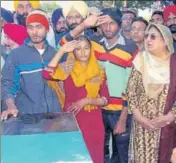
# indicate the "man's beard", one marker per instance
pixel 127 28
pixel 173 28
pixel 61 31
pixel 110 36
pixel 72 26
pixel 22 19
pixel 42 38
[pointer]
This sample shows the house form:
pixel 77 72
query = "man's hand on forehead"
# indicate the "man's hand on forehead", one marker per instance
pixel 96 13
pixel 104 19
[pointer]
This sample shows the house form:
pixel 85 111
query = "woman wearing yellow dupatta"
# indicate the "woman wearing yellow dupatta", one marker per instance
pixel 85 90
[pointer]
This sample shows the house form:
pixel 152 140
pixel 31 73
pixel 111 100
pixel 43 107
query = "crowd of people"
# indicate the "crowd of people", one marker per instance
pixel 112 69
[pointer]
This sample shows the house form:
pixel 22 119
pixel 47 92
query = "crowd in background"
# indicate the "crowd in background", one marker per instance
pixel 114 70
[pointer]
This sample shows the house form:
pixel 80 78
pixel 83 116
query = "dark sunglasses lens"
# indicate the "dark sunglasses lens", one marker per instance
pixel 153 37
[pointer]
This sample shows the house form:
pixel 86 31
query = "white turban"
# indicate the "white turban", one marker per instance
pixel 79 6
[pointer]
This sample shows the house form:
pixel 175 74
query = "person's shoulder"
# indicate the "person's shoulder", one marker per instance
pixel 19 50
pixel 96 38
pixel 173 57
pixel 51 49
pixel 130 43
pixel 131 46
pixel 17 54
pixel 3 51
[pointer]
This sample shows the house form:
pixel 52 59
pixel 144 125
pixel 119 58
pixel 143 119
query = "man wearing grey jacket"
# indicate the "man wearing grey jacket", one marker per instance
pixel 23 88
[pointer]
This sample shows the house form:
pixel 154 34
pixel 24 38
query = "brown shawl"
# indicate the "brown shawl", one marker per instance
pixel 168 133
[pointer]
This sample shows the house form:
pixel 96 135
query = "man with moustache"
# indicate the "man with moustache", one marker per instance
pixel 59 24
pixel 138 27
pixel 13 40
pixel 23 8
pixel 170 20
pixel 127 18
pixel 114 54
pixel 6 17
pixel 157 17
pixel 75 13
pixel 23 88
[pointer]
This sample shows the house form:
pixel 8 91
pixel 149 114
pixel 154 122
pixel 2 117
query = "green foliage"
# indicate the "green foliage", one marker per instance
pixel 98 4
pixel 135 4
pixel 101 4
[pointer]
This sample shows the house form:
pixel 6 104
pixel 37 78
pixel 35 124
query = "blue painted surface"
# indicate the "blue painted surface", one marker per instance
pixel 45 148
pixel 27 124
pixel 43 138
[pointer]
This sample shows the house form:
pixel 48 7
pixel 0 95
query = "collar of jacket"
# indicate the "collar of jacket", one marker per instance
pixel 29 43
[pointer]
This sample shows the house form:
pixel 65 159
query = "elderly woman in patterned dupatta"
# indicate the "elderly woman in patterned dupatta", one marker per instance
pixel 151 95
pixel 85 91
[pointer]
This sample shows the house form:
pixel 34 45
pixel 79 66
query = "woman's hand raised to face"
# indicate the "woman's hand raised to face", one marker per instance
pixel 104 19
pixel 69 46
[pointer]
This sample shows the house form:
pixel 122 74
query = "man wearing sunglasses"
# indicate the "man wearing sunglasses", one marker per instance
pixel 170 20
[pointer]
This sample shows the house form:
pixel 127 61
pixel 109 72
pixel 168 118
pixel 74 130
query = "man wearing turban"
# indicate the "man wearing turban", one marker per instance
pixel 6 17
pixel 170 20
pixel 75 13
pixel 23 8
pixel 59 24
pixel 13 39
